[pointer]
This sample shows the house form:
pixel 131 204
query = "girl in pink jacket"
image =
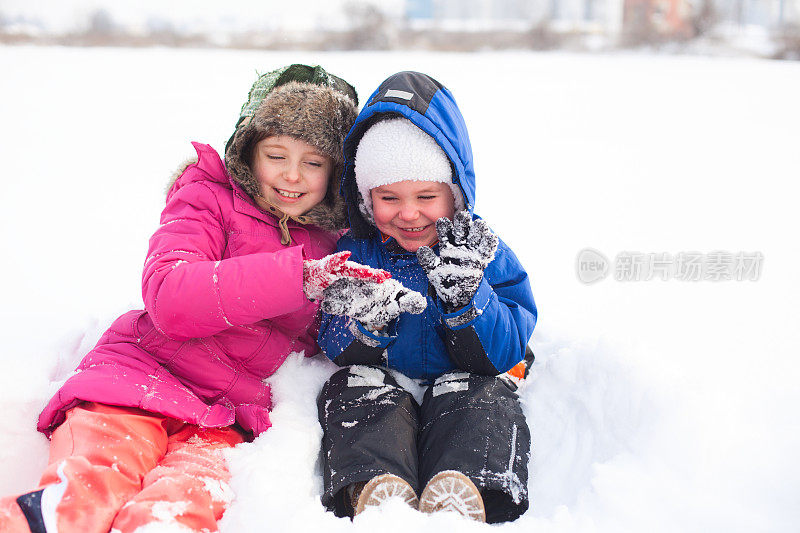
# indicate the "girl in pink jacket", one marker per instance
pixel 228 287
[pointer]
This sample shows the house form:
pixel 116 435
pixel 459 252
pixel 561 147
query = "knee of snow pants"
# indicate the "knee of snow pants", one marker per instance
pixel 99 458
pixel 369 428
pixel 474 424
pixel 189 487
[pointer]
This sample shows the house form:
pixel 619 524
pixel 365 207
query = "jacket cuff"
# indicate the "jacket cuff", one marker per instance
pixel 465 316
pixel 369 338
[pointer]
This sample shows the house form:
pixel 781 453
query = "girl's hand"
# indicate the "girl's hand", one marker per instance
pixel 319 273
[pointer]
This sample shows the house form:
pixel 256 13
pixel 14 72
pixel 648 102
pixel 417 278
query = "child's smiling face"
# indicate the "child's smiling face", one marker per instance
pixel 293 175
pixel 408 211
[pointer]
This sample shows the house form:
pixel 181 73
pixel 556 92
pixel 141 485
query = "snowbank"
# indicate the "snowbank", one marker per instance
pixel 654 405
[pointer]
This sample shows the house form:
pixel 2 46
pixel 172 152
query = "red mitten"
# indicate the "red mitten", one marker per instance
pixel 319 273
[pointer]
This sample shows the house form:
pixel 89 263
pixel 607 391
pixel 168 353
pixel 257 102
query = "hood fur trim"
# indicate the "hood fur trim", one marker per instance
pixel 318 115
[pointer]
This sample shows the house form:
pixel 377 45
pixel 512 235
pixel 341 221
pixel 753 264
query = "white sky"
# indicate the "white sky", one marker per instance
pixel 202 15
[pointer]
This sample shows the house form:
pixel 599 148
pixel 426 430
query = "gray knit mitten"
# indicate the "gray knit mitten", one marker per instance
pixel 466 247
pixel 372 304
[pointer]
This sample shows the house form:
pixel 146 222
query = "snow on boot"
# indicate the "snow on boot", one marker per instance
pixel 383 487
pixel 452 491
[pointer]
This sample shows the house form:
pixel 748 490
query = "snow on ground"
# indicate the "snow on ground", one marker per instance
pixel 654 405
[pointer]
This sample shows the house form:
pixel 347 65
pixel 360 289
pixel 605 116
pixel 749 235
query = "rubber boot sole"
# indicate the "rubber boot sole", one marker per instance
pixel 453 491
pixel 382 488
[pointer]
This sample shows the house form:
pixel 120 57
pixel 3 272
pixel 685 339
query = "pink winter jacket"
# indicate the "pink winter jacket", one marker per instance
pixel 224 308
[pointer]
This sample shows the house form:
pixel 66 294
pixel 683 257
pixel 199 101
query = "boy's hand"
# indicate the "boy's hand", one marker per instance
pixel 319 273
pixel 466 247
pixel 373 304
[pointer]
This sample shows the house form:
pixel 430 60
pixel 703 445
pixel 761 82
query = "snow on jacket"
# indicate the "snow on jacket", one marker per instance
pixel 224 307
pixel 489 335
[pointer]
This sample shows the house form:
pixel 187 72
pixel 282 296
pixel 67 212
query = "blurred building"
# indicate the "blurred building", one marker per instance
pixel 510 14
pixel 673 18
pixel 768 13
pixel 668 18
pixel 452 25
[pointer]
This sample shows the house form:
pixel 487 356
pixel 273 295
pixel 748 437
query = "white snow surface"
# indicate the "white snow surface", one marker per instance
pixel 654 405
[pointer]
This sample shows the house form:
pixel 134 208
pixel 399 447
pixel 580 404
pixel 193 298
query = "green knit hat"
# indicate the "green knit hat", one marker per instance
pixel 275 78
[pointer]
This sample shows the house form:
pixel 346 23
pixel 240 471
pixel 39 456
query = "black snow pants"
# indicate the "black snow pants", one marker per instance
pixel 467 422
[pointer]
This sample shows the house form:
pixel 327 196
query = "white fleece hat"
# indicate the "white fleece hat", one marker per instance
pixel 396 150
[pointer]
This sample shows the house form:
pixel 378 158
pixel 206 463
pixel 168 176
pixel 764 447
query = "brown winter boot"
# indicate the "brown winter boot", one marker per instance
pixel 381 488
pixel 453 491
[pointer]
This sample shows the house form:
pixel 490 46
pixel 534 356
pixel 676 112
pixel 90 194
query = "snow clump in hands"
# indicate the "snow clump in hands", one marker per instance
pixel 372 304
pixel 320 273
pixel 466 248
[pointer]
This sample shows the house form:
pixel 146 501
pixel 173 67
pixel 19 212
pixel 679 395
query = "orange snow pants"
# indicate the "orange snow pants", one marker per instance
pixel 122 468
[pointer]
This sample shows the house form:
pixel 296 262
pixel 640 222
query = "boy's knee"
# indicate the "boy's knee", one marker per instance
pixel 462 388
pixel 353 380
pixel 361 393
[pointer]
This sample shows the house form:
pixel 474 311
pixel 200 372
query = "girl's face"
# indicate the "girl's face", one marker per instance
pixel 408 211
pixel 293 175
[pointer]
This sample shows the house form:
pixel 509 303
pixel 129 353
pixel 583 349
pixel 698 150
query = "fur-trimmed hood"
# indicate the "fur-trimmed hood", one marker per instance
pixel 318 115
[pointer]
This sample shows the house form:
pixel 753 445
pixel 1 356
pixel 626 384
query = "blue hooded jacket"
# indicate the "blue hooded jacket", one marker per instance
pixel 489 335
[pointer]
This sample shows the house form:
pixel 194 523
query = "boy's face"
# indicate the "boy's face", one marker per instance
pixel 408 211
pixel 292 174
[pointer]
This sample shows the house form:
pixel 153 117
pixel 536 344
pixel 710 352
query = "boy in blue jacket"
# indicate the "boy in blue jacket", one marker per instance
pixel 456 315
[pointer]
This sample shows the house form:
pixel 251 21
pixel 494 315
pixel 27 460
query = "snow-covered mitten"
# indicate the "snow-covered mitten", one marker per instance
pixel 320 273
pixel 372 304
pixel 466 247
